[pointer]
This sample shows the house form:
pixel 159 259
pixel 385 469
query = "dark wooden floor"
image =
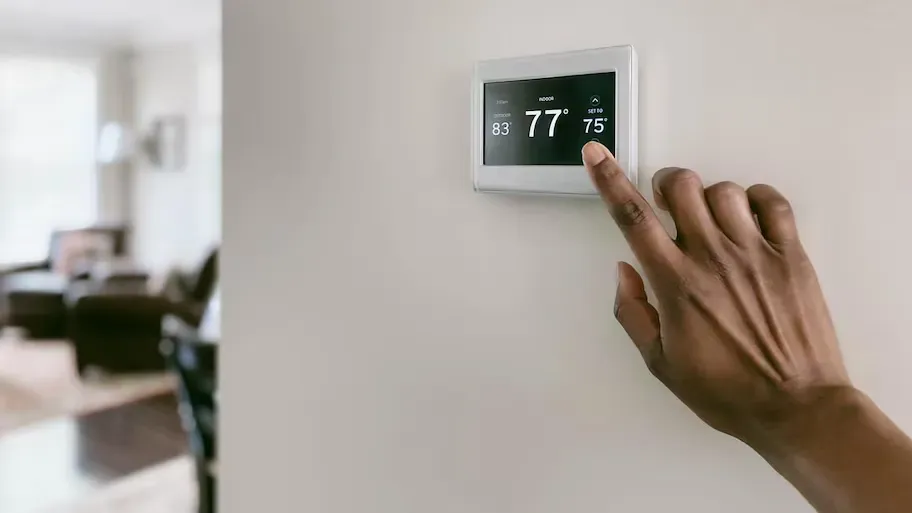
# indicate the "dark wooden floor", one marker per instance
pixel 56 460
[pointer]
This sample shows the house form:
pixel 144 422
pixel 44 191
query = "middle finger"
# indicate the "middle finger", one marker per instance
pixel 680 192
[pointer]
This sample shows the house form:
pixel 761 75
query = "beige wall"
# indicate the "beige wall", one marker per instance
pixel 397 343
pixel 176 215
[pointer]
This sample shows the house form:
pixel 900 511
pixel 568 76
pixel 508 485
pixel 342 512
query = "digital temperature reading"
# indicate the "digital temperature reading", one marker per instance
pixel 532 114
pixel 546 121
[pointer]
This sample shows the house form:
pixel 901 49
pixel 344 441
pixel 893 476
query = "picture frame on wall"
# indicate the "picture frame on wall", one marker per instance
pixel 166 143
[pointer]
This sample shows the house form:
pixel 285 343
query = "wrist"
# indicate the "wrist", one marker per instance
pixel 841 452
pixel 816 416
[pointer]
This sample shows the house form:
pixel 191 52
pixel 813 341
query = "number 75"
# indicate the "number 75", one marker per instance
pixel 599 124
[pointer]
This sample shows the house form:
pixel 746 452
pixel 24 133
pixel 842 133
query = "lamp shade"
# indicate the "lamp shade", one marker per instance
pixel 116 144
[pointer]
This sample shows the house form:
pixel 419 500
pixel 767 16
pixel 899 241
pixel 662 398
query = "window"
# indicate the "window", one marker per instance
pixel 48 125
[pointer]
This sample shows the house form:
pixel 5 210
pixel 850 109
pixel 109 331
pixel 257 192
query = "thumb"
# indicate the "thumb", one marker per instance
pixel 638 318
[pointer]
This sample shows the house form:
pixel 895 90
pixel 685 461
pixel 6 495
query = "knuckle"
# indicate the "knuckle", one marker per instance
pixel 780 207
pixel 680 179
pixel 719 266
pixel 724 191
pixel 769 199
pixel 754 276
pixel 681 287
pixel 727 266
pixel 760 189
pixel 607 175
pixel 630 214
pixel 611 169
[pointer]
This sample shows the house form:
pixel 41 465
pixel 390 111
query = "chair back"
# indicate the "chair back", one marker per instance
pixel 206 278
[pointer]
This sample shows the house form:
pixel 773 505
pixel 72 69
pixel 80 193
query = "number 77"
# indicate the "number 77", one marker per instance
pixel 537 114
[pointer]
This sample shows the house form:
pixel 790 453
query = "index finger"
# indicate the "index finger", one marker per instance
pixel 632 213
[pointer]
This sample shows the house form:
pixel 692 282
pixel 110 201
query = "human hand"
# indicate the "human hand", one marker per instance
pixel 740 331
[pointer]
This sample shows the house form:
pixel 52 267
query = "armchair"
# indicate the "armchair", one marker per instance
pixel 121 332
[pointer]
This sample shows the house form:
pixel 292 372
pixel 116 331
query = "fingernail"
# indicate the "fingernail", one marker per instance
pixel 594 153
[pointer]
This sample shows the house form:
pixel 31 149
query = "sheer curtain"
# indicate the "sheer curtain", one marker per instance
pixel 48 126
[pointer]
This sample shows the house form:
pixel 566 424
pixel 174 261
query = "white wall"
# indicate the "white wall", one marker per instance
pixel 112 64
pixel 397 343
pixel 176 215
pixel 115 105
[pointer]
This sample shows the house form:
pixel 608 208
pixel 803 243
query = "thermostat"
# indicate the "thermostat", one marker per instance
pixel 531 117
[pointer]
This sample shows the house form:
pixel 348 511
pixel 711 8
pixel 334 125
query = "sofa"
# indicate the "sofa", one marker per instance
pixel 32 295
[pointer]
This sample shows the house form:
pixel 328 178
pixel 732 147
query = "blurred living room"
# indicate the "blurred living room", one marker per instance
pixel 110 225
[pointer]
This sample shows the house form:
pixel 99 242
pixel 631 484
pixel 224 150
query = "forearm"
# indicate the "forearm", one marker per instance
pixel 845 456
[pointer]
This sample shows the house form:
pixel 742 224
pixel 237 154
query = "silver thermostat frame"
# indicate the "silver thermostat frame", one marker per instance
pixel 563 180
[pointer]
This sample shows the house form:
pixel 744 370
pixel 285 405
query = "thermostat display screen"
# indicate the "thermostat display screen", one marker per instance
pixel 546 121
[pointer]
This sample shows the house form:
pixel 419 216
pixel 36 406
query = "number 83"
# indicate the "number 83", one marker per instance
pixel 500 128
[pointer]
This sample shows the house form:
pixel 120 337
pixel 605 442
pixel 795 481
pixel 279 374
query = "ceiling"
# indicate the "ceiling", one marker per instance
pixel 110 22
